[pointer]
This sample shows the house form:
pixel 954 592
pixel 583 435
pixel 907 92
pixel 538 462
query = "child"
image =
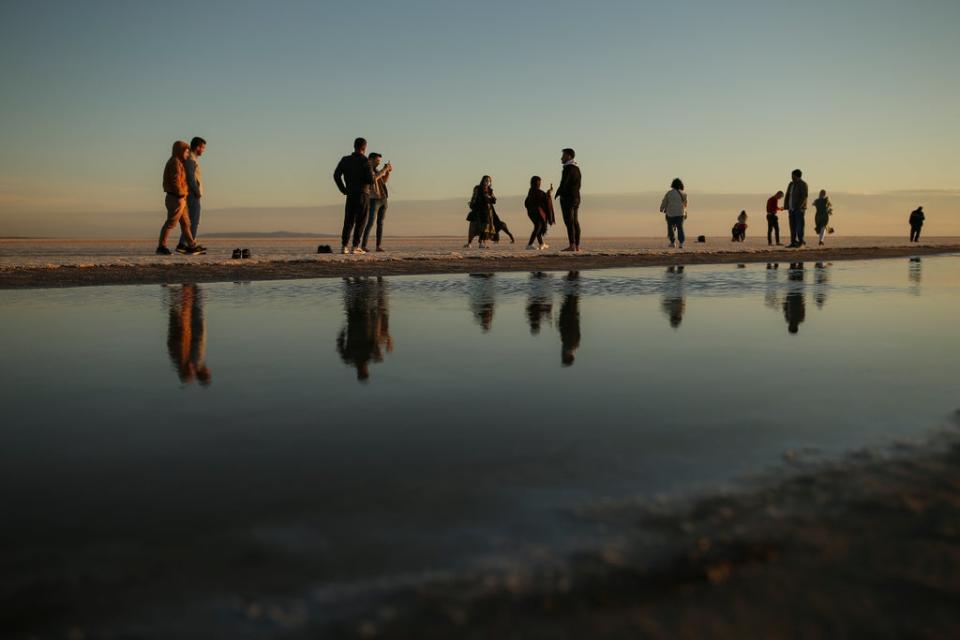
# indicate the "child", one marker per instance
pixel 740 229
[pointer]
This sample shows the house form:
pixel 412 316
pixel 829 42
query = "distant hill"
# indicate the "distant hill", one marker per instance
pixel 263 234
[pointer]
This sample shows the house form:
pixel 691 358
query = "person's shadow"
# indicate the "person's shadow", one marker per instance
pixel 569 319
pixel 674 301
pixel 539 301
pixel 187 334
pixel 367 331
pixel 794 305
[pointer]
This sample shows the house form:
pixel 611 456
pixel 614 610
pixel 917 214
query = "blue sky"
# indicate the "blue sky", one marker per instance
pixel 730 96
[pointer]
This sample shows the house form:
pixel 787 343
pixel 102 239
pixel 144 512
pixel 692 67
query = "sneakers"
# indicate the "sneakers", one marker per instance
pixel 673 245
pixel 195 250
pixel 544 246
pixel 162 251
pixel 344 250
pixel 245 253
pixel 181 248
pixel 357 251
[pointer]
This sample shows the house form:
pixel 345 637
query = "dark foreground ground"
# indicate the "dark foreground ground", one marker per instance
pixel 868 547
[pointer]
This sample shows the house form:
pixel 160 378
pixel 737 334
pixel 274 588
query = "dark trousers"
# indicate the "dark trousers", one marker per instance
pixel 797 223
pixel 539 228
pixel 354 217
pixel 378 211
pixel 193 208
pixel 675 222
pixel 773 227
pixel 915 232
pixel 571 209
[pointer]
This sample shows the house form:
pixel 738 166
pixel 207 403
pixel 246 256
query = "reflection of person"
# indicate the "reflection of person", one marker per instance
pixel 483 223
pixel 773 222
pixel 175 188
pixel 674 209
pixel 822 282
pixel 540 301
pixel 915 275
pixel 569 194
pixel 368 324
pixel 378 199
pixel 482 299
pixel 353 178
pixel 916 224
pixel 674 301
pixel 796 204
pixel 569 319
pixel 821 219
pixel 771 297
pixel 794 306
pixel 187 334
pixel 194 190
pixel 539 207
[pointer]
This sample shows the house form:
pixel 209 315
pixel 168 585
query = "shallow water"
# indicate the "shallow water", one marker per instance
pixel 236 440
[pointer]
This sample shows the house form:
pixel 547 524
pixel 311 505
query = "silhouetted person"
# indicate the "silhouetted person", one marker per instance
pixel 175 200
pixel 194 190
pixel 368 324
pixel 353 177
pixel 821 218
pixel 794 306
pixel 187 334
pixel 674 301
pixel 773 220
pixel 379 194
pixel 569 194
pixel 916 224
pixel 674 210
pixel 482 299
pixel 739 230
pixel 539 206
pixel 796 204
pixel 540 301
pixel 569 319
pixel 483 220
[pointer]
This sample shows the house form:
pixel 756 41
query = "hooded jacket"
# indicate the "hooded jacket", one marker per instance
pixel 174 174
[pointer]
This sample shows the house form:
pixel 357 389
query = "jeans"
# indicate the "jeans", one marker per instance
pixel 378 210
pixel 354 217
pixel 797 223
pixel 773 227
pixel 571 210
pixel 678 223
pixel 193 207
pixel 915 232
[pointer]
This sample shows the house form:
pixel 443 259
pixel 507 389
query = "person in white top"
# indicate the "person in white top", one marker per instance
pixel 674 208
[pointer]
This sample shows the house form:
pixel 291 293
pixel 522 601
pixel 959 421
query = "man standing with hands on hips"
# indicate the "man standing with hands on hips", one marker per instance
pixel 353 177
pixel 569 194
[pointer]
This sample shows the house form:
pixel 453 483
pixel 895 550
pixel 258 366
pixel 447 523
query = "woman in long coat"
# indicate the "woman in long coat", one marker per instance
pixel 539 207
pixel 482 214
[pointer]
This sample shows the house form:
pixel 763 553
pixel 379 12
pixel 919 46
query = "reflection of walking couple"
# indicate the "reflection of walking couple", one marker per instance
pixel 186 334
pixel 368 324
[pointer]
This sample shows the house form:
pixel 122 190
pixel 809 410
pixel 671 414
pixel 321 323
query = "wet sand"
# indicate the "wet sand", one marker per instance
pixel 65 263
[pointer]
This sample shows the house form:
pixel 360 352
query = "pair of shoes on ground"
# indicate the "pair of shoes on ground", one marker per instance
pixel 239 254
pixel 195 250
pixel 673 245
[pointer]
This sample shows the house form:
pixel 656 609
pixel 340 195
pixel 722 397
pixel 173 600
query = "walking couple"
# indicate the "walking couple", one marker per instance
pixel 183 186
pixel 364 183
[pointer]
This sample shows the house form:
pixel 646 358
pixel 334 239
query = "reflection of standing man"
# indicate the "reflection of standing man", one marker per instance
pixel 569 319
pixel 378 199
pixel 194 190
pixel 187 334
pixel 674 299
pixel 353 177
pixel 368 324
pixel 794 305
pixel 569 194
pixel 796 204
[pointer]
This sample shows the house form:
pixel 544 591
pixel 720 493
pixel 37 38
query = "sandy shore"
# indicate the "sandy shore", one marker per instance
pixel 65 263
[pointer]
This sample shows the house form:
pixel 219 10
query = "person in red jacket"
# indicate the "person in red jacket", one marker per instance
pixel 773 222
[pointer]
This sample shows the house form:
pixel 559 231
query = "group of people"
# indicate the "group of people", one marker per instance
pixel 363 181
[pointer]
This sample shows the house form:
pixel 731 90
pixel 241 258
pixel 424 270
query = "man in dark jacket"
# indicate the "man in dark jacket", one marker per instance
pixel 795 202
pixel 916 224
pixel 569 194
pixel 353 177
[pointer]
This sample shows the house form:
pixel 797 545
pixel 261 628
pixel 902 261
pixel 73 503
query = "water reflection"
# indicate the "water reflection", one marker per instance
pixel 368 324
pixel 539 301
pixel 794 306
pixel 482 295
pixel 821 279
pixel 569 319
pixel 915 275
pixel 771 290
pixel 674 301
pixel 187 334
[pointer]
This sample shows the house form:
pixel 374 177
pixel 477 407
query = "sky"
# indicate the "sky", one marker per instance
pixel 731 96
